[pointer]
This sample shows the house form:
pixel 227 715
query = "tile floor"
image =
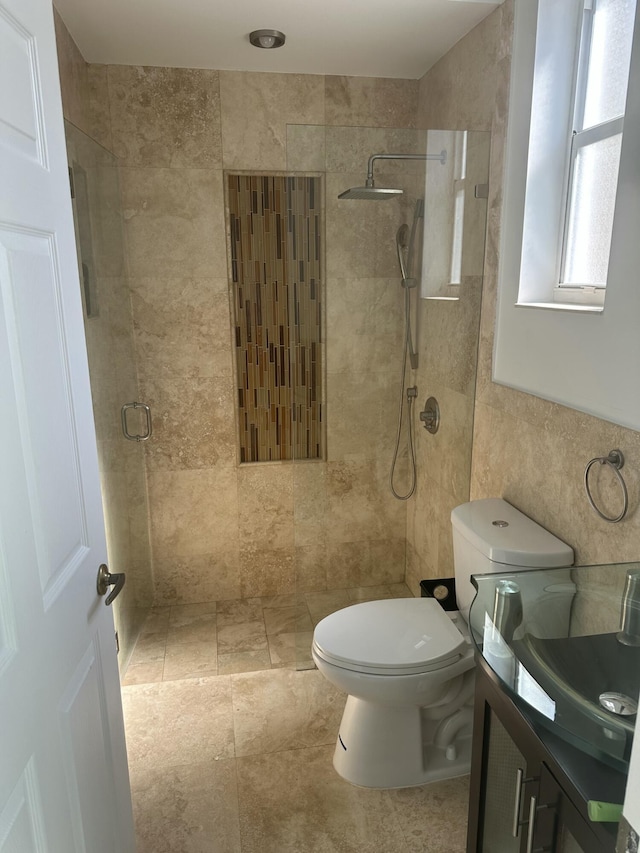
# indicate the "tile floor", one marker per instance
pixel 241 763
pixel 243 635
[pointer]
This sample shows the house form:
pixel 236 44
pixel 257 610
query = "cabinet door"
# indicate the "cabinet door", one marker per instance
pixel 507 788
pixel 554 822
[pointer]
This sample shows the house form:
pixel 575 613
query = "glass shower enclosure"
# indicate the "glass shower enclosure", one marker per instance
pixel 93 174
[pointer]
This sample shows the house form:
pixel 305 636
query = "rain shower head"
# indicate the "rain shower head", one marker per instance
pixel 370 192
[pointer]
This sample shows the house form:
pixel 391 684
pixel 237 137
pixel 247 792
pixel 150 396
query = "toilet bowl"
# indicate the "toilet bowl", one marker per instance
pixel 415 658
pixel 407 665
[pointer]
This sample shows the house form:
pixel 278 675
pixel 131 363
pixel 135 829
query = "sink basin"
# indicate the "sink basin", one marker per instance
pixel 576 671
pixel 585 668
pixel 564 654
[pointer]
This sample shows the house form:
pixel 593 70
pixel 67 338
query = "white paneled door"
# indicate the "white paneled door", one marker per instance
pixel 64 785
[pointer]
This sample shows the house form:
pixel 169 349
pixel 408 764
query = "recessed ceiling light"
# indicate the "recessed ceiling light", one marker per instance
pixel 267 39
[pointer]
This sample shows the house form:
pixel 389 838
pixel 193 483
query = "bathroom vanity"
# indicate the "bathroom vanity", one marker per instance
pixel 550 758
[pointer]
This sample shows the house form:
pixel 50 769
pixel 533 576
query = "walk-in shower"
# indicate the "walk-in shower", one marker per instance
pixel 405 248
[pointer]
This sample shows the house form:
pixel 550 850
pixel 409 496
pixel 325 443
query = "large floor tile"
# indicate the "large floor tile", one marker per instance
pixel 243 662
pixel 188 809
pixel 242 637
pixel 284 709
pixel 157 621
pixel 434 817
pixel 281 620
pixel 295 802
pixel 149 647
pixel 238 610
pixel 292 649
pixel 181 614
pixel 190 660
pixel 144 673
pixel 192 629
pixel 177 723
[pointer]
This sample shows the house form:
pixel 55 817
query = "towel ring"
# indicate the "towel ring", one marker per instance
pixel 615 460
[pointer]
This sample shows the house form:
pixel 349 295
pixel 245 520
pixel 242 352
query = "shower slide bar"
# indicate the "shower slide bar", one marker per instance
pixel 125 430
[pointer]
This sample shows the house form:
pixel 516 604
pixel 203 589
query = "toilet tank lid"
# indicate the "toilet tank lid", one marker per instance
pixel 521 542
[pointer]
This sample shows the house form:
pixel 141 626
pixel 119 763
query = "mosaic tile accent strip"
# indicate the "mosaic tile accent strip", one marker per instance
pixel 276 252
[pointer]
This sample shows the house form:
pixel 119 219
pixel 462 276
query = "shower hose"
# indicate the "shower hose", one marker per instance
pixel 411 396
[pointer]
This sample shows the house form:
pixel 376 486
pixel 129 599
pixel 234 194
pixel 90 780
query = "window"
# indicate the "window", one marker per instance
pixel 581 355
pixel 580 77
pixel 601 91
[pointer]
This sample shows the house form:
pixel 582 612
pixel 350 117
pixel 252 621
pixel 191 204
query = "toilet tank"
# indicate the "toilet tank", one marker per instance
pixel 492 536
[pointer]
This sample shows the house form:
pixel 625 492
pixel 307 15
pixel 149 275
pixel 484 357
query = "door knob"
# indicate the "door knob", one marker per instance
pixel 105 580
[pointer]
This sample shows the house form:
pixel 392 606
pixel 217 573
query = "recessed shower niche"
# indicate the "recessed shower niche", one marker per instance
pixel 276 243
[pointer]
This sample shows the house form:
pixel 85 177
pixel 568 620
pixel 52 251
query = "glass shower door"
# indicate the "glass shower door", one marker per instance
pixel 93 173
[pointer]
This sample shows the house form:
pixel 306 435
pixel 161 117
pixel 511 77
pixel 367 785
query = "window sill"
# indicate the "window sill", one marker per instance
pixel 560 306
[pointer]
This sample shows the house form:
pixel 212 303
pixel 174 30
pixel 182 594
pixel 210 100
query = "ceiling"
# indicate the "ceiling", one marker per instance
pixel 368 38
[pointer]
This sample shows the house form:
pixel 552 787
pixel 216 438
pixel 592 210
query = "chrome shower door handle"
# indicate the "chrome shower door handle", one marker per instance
pixel 105 579
pixel 125 430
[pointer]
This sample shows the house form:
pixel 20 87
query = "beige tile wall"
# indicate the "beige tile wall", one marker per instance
pixel 219 530
pixel 527 450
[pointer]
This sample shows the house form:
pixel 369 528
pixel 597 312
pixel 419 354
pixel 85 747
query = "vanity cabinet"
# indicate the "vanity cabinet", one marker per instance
pixel 529 788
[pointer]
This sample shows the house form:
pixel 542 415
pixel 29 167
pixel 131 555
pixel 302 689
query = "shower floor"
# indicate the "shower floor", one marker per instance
pixel 242 635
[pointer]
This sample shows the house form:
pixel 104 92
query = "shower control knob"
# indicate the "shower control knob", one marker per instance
pixel 430 415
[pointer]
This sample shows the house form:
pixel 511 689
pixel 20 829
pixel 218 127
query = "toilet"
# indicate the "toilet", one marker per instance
pixel 407 665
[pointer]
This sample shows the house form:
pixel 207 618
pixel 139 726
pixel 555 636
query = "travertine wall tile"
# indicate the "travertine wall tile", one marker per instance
pixel 266 571
pixel 311 567
pixel 348 149
pixel 310 507
pixel 360 405
pixel 73 77
pixel 193 511
pixel 174 222
pixel 191 579
pixel 360 235
pixel 459 91
pixel 256 109
pixel 183 328
pixel 306 147
pixel 265 499
pixel 371 101
pixel 165 116
pixel 362 307
pixel 450 329
pixel 85 100
pixel 361 507
pixel 193 422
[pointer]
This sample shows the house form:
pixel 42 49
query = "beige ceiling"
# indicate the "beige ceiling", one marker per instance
pixel 370 38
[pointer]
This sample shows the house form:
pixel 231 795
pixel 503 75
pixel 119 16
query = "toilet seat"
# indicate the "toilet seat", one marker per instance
pixel 398 636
